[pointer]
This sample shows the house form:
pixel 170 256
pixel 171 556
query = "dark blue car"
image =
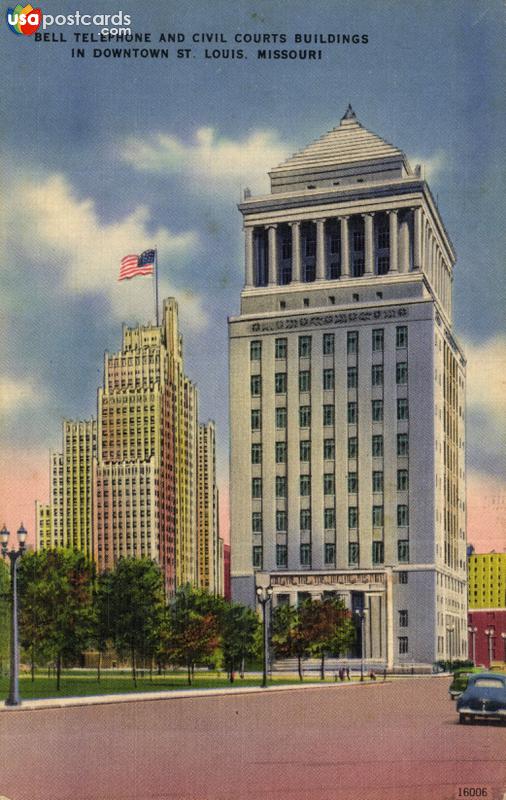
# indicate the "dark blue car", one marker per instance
pixel 484 698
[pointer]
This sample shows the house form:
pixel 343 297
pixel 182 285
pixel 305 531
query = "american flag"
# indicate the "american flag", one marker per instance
pixel 137 265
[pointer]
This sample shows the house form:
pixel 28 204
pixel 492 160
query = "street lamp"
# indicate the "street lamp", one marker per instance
pixel 264 595
pixel 13 699
pixel 503 637
pixel 450 629
pixel 361 614
pixel 473 630
pixel 490 633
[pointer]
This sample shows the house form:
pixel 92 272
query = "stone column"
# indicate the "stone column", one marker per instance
pixel 404 245
pixel 296 264
pixel 345 248
pixel 273 255
pixel 248 243
pixel 394 240
pixel 320 249
pixel 417 237
pixel 369 243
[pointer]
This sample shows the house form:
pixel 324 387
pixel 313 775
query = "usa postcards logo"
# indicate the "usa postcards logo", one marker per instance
pixel 24 20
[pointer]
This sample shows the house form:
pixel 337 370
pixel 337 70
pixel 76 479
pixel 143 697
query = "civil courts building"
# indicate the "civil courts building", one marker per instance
pixel 347 396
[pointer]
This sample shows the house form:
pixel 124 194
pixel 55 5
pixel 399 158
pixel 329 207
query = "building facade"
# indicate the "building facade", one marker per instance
pixel 486 580
pixel 207 510
pixel 347 395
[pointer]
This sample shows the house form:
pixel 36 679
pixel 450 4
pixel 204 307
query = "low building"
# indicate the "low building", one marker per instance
pixel 487 607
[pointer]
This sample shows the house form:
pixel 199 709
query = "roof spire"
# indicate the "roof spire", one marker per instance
pixel 349 113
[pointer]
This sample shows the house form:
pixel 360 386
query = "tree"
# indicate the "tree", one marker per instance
pixel 328 627
pixel 56 605
pixel 103 631
pixel 135 599
pixel 289 637
pixel 193 627
pixel 5 614
pixel 239 626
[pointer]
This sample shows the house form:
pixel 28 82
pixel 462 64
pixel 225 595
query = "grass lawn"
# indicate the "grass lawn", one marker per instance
pixel 80 683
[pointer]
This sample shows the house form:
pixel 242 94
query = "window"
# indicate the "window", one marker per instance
pixel 377 340
pixel 357 267
pixel 328 344
pixel 257 557
pixel 352 377
pixel 383 265
pixel 286 249
pixel 378 552
pixel 256 385
pixel 256 522
pixel 403 551
pixel 358 240
pixel 305 519
pixel 377 410
pixel 305 555
pixel 328 449
pixel 401 336
pixel 329 518
pixel 352 447
pixel 402 444
pixel 280 382
pixel 310 245
pixel 304 381
pixel 280 450
pixel 256 487
pixel 352 483
pixel 352 517
pixel 352 342
pixel 377 481
pixel 377 516
pixel 383 238
pixel 402 408
pixel 377 374
pixel 402 480
pixel 328 415
pixel 352 413
pixel 403 645
pixel 280 486
pixel 403 618
pixel 328 483
pixel 328 378
pixel 305 450
pixel 377 446
pixel 304 346
pixel 401 373
pixel 256 419
pixel 281 417
pixel 281 555
pixel 403 577
pixel 255 350
pixel 353 553
pixel 280 348
pixel 305 416
pixel 280 521
pixel 330 553
pixel 402 516
pixel 305 485
pixel 256 453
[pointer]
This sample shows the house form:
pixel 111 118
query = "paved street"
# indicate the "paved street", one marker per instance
pixel 393 741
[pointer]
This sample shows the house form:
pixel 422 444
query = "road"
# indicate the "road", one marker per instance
pixel 392 741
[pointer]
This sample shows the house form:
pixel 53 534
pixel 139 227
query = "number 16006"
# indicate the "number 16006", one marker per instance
pixel 473 791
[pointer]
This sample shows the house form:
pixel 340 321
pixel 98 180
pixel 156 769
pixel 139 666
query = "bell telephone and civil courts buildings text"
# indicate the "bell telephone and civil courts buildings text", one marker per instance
pixel 347 392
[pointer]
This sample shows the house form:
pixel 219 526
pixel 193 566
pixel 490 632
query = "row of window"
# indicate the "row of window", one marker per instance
pixel 329 518
pixel 329 487
pixel 378 554
pixel 328 413
pixel 328 379
pixel 329 449
pixel 378 340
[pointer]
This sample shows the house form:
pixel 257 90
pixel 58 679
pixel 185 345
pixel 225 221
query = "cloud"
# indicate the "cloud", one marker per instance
pixel 433 165
pixel 486 520
pixel 19 393
pixel 209 159
pixel 486 375
pixel 67 233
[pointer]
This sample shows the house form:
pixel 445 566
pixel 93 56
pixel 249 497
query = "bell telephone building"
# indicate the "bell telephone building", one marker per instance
pixel 347 395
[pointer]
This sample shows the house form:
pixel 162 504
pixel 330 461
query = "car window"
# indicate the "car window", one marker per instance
pixel 489 683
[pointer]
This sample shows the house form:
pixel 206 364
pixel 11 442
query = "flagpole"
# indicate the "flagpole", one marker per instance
pixel 156 287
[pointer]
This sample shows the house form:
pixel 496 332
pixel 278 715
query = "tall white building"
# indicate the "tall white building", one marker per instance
pixel 347 392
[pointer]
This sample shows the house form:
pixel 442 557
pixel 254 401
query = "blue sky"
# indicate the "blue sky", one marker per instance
pixel 102 156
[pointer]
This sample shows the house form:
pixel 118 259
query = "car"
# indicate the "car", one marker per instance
pixel 484 698
pixel 460 679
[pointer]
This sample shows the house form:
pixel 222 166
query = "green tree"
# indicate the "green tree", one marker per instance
pixel 103 629
pixel 328 628
pixel 5 615
pixel 193 632
pixel 135 601
pixel 56 605
pixel 239 627
pixel 289 635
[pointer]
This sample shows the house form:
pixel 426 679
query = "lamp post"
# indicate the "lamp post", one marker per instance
pixel 490 633
pixel 264 595
pixel 450 629
pixel 361 614
pixel 13 699
pixel 473 630
pixel 503 637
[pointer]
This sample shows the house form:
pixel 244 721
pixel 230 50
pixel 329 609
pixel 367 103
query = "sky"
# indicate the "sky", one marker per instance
pixel 101 157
